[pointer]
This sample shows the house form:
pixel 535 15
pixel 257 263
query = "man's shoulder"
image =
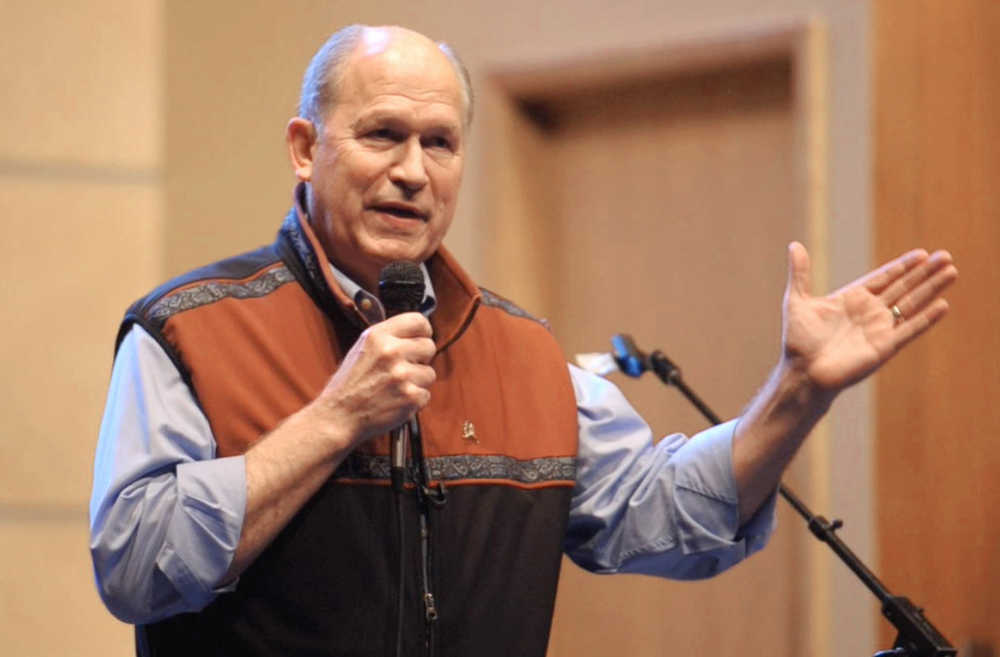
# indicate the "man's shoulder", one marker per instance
pixel 247 275
pixel 237 275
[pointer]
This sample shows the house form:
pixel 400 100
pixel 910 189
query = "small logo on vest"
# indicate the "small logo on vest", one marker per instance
pixel 469 432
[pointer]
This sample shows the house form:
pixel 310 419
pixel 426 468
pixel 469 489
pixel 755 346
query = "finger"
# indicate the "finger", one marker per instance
pixel 423 376
pixel 419 350
pixel 408 325
pixel 879 279
pixel 799 277
pixel 912 327
pixel 912 279
pixel 414 390
pixel 927 291
pixel 412 350
pixel 420 396
pixel 405 378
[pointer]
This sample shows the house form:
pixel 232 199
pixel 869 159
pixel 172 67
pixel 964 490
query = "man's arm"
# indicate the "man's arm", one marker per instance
pixel 669 509
pixel 170 523
pixel 692 508
pixel 828 344
pixel 165 514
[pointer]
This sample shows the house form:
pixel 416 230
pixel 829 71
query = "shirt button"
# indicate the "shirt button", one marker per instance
pixel 366 305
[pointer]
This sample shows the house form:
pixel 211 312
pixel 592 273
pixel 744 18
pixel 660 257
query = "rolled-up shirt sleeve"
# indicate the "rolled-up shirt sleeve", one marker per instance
pixel 165 514
pixel 669 509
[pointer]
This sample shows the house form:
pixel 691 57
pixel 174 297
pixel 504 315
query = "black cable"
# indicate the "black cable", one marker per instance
pixel 402 573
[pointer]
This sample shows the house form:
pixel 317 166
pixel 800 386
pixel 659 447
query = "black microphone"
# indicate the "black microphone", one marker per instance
pixel 401 287
pixel 401 290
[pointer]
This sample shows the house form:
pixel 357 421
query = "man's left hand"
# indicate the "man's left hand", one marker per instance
pixel 828 343
pixel 841 338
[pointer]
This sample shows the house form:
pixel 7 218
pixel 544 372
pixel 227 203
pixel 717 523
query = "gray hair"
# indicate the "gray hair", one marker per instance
pixel 319 88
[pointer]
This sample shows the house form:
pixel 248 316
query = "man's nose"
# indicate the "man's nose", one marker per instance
pixel 408 171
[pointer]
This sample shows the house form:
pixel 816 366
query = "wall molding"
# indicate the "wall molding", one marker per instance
pixel 68 171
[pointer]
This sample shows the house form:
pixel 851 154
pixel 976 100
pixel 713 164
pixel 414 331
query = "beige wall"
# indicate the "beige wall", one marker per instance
pixel 81 189
pixel 100 206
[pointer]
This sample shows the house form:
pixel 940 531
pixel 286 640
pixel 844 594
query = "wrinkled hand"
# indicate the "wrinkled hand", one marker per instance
pixel 384 379
pixel 841 338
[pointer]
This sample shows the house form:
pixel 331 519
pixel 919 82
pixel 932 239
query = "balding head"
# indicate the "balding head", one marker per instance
pixel 382 154
pixel 321 83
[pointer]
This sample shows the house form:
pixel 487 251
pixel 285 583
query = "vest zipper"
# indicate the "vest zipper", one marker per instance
pixel 430 611
pixel 427 499
pixel 430 607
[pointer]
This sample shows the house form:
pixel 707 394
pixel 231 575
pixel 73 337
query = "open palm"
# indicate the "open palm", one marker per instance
pixel 843 337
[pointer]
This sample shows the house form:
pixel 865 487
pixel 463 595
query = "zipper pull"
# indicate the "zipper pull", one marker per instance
pixel 430 611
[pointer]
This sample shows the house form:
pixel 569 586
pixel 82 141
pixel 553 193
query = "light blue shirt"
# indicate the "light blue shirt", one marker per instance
pixel 166 514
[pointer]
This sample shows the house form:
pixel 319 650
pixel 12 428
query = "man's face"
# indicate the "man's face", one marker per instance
pixel 388 163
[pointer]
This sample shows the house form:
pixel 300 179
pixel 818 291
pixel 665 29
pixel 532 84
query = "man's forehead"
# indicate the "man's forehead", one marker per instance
pixel 400 61
pixel 375 40
pixel 396 45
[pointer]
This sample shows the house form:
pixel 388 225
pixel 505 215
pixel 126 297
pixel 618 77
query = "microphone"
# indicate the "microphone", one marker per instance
pixel 401 290
pixel 401 287
pixel 626 358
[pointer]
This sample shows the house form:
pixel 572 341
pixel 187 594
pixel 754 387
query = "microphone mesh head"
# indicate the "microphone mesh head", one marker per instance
pixel 401 287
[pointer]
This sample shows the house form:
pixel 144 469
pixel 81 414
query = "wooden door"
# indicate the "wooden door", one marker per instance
pixel 660 204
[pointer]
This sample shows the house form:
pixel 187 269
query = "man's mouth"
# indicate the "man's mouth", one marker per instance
pixel 400 210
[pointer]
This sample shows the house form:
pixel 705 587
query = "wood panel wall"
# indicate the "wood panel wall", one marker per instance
pixel 937 173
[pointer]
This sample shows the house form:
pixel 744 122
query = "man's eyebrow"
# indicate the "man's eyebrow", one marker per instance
pixel 370 118
pixel 389 117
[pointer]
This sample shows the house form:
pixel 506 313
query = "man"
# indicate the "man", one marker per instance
pixel 240 502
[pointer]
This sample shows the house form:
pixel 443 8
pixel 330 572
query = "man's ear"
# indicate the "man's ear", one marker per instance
pixel 300 136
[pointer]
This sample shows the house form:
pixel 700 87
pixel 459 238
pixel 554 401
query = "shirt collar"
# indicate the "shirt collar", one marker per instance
pixel 369 304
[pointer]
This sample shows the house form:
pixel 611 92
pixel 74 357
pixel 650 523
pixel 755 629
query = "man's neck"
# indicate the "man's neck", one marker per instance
pixel 351 287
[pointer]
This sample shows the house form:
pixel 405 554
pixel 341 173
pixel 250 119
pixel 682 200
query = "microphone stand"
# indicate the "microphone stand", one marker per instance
pixel 916 636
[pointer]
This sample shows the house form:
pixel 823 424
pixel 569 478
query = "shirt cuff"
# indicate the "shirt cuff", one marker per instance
pixel 708 498
pixel 205 527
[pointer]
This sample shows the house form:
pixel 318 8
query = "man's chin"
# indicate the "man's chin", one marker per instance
pixel 382 257
pixel 391 248
pixel 364 261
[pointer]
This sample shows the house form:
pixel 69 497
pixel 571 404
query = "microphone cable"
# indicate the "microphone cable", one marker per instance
pixel 400 598
pixel 401 289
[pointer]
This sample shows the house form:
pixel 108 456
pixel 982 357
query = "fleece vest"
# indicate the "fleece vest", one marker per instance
pixel 256 337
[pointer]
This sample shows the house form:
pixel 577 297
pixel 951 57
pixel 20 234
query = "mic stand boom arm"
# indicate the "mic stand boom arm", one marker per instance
pixel 916 637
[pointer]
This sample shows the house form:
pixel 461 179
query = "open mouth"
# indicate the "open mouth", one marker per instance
pixel 400 211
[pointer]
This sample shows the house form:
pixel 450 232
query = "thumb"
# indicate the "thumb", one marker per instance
pixel 799 277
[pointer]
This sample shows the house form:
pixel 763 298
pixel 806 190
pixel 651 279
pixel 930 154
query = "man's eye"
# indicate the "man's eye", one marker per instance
pixel 384 134
pixel 438 142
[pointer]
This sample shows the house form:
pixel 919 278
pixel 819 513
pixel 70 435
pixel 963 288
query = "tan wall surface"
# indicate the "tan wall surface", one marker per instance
pixel 937 125
pixel 156 130
pixel 80 162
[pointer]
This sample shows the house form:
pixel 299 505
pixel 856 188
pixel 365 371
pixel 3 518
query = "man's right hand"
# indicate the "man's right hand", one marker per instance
pixel 383 380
